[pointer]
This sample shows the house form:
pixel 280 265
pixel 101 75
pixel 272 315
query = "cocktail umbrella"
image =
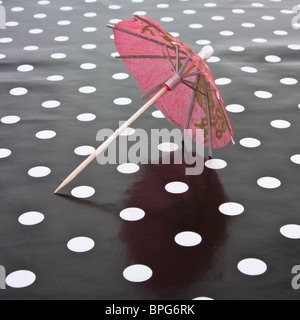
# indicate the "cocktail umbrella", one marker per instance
pixel 174 78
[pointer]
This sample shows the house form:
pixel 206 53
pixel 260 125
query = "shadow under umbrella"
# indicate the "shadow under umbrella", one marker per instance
pixel 151 240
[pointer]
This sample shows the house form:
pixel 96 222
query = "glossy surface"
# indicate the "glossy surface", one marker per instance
pixel 111 234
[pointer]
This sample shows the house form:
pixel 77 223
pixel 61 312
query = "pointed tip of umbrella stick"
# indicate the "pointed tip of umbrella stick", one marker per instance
pixel 110 26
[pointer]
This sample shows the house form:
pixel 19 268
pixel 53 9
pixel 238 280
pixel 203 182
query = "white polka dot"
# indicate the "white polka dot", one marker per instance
pixel 55 78
pixel 158 114
pixel 61 38
pixel 81 244
pixel 31 48
pixel 167 19
pixel 289 81
pixel 248 25
pixel 257 4
pixel 272 58
pixel 66 8
pixel 252 267
pixel 237 49
pixel 83 192
pixel 89 29
pixel 291 231
pixel 177 187
pixel 294 46
pixel 203 42
pixel 10 119
pixel 39 172
pixel 128 132
pixel 6 40
pixel 17 9
pixel 263 94
pixel 58 56
pixel 238 11
pixel 40 16
pixel 231 209
pixel 87 89
pixel 132 214
pixel 213 59
pixel 210 4
pixel 196 26
pixel 46 134
pixel 249 69
pixel 296 158
pixel 4 153
pixel 204 298
pixel 64 22
pixel 120 76
pixel 188 239
pixel 18 91
pixel 223 81
pixel 90 14
pixel 280 32
pixel 86 117
pixel 268 18
pixel 188 11
pixel 114 7
pixel 259 40
pixel 218 18
pixel 168 147
pixel 31 218
pixel 162 6
pixel 122 101
pixel 25 68
pixel 235 108
pixel 269 183
pixel 280 124
pixel 128 168
pixel 36 31
pixel 2 56
pixel 51 104
pixel 250 143
pixel 84 150
pixel 89 46
pixel 216 164
pixel 20 279
pixel 88 66
pixel 137 273
pixel 226 33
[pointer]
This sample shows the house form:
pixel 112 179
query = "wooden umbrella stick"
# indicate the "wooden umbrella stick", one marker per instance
pixel 204 54
pixel 113 137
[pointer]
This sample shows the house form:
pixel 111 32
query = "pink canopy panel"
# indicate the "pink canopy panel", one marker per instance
pixel 153 56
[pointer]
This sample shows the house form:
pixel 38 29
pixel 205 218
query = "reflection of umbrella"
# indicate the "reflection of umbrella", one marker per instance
pixel 151 240
pixel 160 63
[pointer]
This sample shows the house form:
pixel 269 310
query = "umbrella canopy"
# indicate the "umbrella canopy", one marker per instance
pixel 153 56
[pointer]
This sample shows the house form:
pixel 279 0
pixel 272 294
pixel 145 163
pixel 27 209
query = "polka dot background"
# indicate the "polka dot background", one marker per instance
pixel 147 231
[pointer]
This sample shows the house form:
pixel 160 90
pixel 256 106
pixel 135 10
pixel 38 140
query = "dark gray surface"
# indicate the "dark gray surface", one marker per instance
pixel 209 269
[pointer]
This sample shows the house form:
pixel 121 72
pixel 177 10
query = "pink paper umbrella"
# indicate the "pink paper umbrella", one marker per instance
pixel 175 79
pixel 158 60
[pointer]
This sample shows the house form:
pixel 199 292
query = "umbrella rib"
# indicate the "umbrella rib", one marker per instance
pixel 197 85
pixel 170 60
pixel 208 121
pixel 186 62
pixel 142 37
pixel 191 108
pixel 194 89
pixel 145 57
pixel 192 74
pixel 154 90
pixel 225 120
pixel 150 24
